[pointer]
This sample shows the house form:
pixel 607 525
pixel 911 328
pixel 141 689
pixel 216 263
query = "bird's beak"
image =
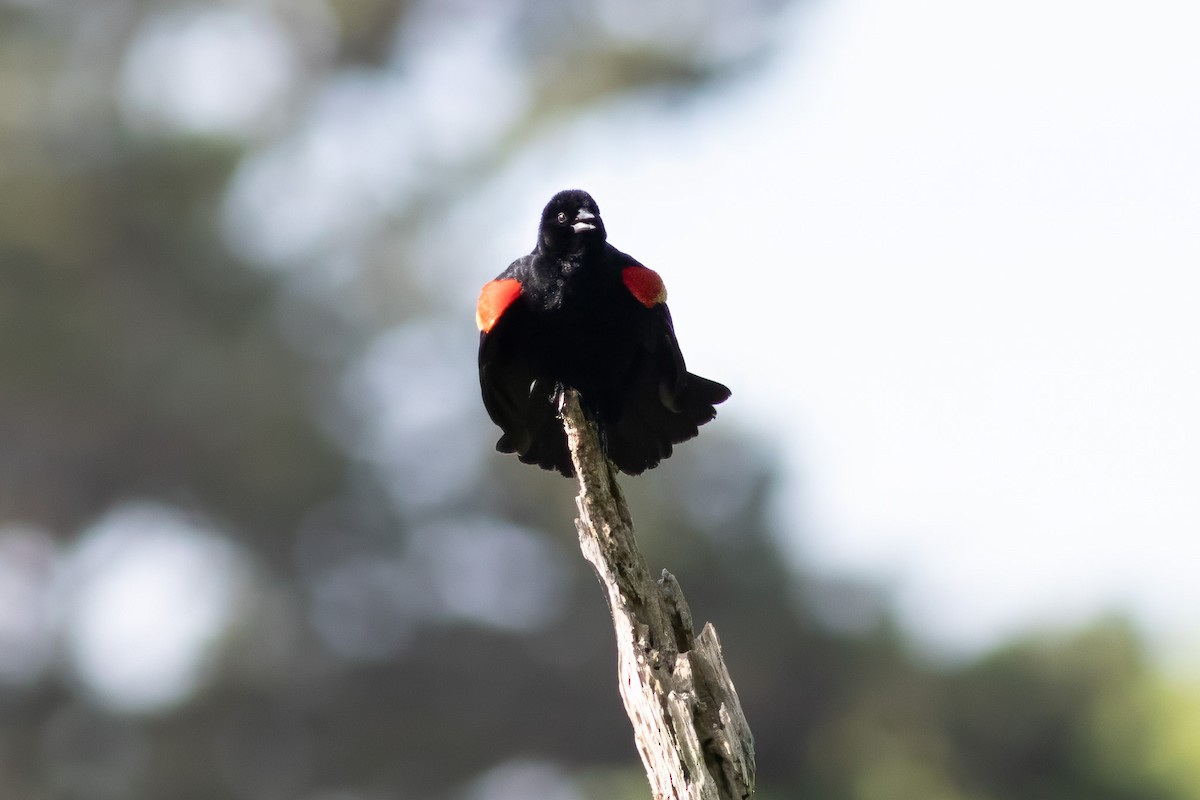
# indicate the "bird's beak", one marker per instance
pixel 583 221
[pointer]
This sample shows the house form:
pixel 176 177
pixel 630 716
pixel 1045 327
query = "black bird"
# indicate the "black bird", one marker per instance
pixel 577 312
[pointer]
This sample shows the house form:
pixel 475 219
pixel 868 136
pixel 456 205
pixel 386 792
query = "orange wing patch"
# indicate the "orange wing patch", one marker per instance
pixel 495 297
pixel 645 285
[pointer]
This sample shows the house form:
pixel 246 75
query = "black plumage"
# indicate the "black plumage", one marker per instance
pixel 578 312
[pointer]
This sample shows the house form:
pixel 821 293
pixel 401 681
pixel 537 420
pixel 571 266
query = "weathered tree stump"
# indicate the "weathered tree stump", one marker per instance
pixel 688 723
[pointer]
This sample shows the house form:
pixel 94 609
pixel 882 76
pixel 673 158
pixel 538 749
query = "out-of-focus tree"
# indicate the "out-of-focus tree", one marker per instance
pixel 253 539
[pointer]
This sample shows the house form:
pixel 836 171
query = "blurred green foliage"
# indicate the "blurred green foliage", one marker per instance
pixel 151 351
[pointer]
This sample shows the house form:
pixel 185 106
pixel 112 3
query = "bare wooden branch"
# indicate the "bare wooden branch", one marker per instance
pixel 688 723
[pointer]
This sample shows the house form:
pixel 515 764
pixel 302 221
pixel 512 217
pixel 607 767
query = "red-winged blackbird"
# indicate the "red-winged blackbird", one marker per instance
pixel 577 312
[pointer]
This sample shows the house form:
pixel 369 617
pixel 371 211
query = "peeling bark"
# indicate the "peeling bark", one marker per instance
pixel 688 723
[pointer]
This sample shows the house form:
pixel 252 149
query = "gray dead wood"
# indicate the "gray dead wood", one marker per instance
pixel 690 731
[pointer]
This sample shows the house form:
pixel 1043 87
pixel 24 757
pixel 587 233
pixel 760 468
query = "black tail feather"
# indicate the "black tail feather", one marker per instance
pixel 540 439
pixel 654 419
pixel 636 435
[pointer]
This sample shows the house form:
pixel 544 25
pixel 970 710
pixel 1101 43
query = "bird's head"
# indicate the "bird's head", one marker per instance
pixel 571 223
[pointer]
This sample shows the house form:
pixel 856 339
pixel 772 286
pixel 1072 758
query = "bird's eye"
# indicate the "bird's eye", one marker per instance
pixel 562 217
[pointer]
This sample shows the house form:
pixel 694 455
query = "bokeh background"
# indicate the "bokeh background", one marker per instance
pixel 255 543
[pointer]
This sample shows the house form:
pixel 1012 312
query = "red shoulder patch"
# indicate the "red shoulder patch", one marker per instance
pixel 644 284
pixel 494 298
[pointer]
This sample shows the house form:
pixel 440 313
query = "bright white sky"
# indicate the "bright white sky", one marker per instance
pixel 946 256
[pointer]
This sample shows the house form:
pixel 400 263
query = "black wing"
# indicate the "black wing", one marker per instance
pixel 521 401
pixel 663 404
